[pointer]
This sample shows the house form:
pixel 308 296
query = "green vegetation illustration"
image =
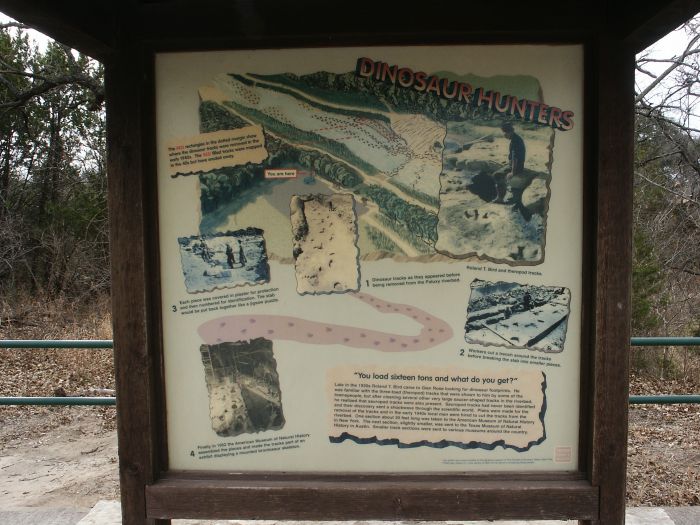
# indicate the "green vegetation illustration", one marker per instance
pixel 433 179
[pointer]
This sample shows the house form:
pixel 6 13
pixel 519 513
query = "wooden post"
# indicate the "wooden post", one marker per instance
pixel 615 130
pixel 136 364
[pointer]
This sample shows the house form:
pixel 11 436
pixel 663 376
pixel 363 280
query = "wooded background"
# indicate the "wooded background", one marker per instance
pixel 53 212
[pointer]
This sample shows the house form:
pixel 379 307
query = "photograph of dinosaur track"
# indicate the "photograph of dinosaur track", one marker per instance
pixel 244 389
pixel 489 207
pixel 516 315
pixel 394 151
pixel 325 254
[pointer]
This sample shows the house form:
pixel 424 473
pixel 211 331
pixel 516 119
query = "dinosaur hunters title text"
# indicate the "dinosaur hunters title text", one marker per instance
pixel 454 90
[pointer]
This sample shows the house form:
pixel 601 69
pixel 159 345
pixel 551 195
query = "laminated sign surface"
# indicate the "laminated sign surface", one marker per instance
pixel 371 258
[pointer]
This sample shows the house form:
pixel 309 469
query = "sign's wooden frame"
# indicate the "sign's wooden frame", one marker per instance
pixel 151 491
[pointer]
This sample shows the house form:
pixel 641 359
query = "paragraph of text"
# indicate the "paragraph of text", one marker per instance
pixel 229 301
pixel 434 405
pixel 220 149
pixel 250 446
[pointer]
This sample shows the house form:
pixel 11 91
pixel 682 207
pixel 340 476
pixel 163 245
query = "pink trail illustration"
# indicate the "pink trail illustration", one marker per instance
pixel 231 328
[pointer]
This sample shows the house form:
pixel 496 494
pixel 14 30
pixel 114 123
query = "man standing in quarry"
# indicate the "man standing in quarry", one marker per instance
pixel 516 161
pixel 513 175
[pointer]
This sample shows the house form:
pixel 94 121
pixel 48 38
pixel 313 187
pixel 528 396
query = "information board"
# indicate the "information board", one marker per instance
pixel 371 258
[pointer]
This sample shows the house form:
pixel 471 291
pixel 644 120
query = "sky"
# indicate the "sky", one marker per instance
pixel 671 45
pixel 39 38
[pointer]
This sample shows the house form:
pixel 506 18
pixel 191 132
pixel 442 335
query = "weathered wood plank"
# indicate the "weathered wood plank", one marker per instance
pixel 82 24
pixel 136 363
pixel 615 126
pixel 261 22
pixel 656 21
pixel 364 477
pixel 389 500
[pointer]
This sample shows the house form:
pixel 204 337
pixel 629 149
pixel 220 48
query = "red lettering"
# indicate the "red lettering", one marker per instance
pixel 445 87
pixel 485 97
pixel 365 67
pixel 554 117
pixel 533 110
pixel 498 103
pixel 567 118
pixel 389 71
pixel 433 85
pixel 406 77
pixel 420 81
pixel 378 71
pixel 465 91
pixel 519 106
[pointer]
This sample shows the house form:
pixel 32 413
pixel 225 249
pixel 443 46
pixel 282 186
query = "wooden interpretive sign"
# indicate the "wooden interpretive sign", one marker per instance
pixel 377 289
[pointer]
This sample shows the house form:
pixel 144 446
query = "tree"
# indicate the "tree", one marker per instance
pixel 53 220
pixel 666 273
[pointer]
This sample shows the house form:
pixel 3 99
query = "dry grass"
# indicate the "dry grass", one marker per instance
pixel 49 372
pixel 663 458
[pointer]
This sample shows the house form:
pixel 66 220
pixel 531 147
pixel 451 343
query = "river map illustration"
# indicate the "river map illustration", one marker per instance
pixel 433 178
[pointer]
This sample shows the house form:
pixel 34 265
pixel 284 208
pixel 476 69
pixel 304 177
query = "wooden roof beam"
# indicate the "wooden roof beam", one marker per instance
pixel 89 27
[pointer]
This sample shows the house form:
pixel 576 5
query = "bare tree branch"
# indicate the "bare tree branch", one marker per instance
pixel 659 157
pixel 669 190
pixel 676 63
pixel 15 25
pixel 653 113
pixel 54 82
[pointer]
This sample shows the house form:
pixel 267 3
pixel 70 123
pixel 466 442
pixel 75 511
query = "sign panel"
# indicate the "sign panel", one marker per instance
pixel 371 258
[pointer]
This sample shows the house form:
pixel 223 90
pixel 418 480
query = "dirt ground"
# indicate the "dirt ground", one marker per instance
pixel 58 457
pixel 67 457
pixel 663 456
